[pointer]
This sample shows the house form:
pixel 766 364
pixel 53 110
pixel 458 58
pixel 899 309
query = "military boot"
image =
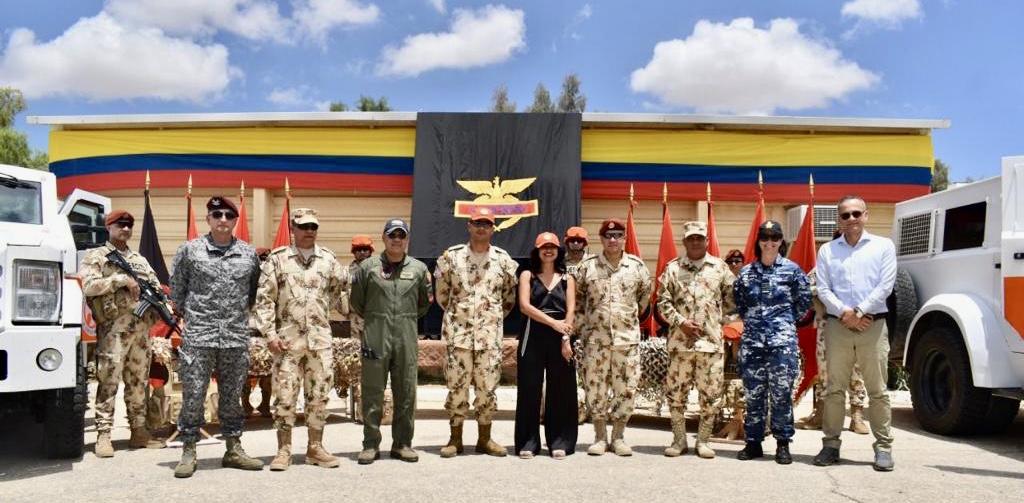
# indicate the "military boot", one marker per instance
pixel 703 437
pixel 678 446
pixel 619 446
pixel 315 452
pixel 142 439
pixel 813 421
pixel 283 460
pixel 235 456
pixel 600 445
pixel 104 449
pixel 454 445
pixel 187 466
pixel 857 420
pixel 484 444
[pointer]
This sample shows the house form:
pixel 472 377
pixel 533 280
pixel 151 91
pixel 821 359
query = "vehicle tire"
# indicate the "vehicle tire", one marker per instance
pixel 902 307
pixel 944 398
pixel 1001 413
pixel 64 421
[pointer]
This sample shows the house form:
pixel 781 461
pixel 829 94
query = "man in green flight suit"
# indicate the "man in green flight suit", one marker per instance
pixel 390 291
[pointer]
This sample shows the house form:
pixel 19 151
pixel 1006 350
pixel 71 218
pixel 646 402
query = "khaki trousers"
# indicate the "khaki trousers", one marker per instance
pixel 869 350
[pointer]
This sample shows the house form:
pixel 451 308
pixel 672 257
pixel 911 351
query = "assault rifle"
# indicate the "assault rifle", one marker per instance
pixel 150 296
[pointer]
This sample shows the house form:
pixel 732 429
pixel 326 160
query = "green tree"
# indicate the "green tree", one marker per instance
pixel 337 106
pixel 500 101
pixel 541 101
pixel 368 104
pixel 14 147
pixel 940 176
pixel 571 99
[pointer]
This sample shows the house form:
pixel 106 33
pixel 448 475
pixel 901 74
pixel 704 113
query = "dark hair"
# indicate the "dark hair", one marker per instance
pixel 734 253
pixel 783 247
pixel 535 264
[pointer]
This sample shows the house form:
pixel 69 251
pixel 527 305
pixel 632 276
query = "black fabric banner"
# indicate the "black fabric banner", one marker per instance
pixel 465 160
pixel 149 245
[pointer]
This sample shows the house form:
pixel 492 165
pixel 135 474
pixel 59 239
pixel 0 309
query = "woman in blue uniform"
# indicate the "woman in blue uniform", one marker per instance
pixel 771 294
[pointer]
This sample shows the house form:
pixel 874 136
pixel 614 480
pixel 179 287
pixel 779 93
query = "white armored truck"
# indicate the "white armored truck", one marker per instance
pixel 42 358
pixel 964 250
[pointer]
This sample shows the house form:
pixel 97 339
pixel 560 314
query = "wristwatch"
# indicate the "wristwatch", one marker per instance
pixel 565 338
pixel 858 313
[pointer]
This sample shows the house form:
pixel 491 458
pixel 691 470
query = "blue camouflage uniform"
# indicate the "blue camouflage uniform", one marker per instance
pixel 770 299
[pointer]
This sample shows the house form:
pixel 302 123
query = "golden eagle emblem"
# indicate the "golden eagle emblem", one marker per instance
pixel 499 196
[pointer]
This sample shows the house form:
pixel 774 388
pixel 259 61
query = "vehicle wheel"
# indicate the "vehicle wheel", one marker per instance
pixel 1001 413
pixel 945 400
pixel 902 307
pixel 64 422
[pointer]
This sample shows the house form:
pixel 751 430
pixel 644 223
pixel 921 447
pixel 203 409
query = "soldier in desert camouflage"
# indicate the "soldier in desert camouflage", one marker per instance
pixel 475 286
pixel 299 284
pixel 611 290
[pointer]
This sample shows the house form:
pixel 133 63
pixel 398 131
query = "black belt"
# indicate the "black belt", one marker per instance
pixel 870 316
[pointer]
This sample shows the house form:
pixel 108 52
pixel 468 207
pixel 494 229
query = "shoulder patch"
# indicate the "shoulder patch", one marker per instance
pixel 500 250
pixel 279 249
pixel 633 257
pixel 456 247
pixel 329 251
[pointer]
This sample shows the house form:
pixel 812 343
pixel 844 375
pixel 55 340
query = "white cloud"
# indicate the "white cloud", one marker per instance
pixel 100 59
pixel 738 68
pixel 291 97
pixel 251 19
pixel 317 17
pixel 489 35
pixel 582 15
pixel 438 5
pixel 886 12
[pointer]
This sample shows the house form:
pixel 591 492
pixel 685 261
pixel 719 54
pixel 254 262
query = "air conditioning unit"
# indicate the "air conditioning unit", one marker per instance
pixel 826 221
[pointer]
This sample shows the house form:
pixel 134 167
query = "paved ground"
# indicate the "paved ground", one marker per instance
pixel 928 468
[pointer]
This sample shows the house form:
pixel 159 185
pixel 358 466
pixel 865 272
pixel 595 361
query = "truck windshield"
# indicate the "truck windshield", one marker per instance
pixel 20 201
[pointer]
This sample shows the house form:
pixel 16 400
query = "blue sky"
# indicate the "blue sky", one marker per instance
pixel 921 59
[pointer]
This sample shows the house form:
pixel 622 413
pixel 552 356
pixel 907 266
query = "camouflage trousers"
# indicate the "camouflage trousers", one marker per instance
pixel 706 371
pixel 122 355
pixel 614 369
pixel 768 376
pixel 196 367
pixel 313 371
pixel 479 369
pixel 858 393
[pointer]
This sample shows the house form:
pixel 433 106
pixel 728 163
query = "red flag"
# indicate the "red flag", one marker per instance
pixel 632 243
pixel 190 229
pixel 284 232
pixel 713 248
pixel 804 255
pixel 666 252
pixel 748 251
pixel 242 229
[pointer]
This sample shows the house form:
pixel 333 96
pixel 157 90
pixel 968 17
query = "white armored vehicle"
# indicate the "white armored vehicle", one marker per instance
pixel 964 249
pixel 42 358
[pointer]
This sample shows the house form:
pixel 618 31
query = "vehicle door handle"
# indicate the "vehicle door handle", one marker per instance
pixel 1018 255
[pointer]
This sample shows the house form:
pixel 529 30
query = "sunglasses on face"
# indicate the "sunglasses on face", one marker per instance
pixel 399 234
pixel 308 227
pixel 575 241
pixel 362 250
pixel 219 214
pixel 775 238
pixel 734 261
pixel 125 224
pixel 851 214
pixel 614 235
pixel 482 223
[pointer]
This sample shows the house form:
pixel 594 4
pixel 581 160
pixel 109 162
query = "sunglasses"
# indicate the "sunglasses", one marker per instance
pixel 734 261
pixel 363 250
pixel 399 234
pixel 614 235
pixel 308 226
pixel 482 223
pixel 218 214
pixel 851 214
pixel 775 238
pixel 124 223
pixel 576 241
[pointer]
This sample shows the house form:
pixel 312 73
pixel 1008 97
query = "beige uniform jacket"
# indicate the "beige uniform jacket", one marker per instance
pixel 700 290
pixel 475 296
pixel 294 299
pixel 610 299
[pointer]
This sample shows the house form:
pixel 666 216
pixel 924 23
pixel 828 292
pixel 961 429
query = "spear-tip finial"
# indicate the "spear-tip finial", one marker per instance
pixel 189 184
pixel 810 184
pixel 147 180
pixel 664 192
pixel 631 193
pixel 241 190
pixel 709 192
pixel 287 188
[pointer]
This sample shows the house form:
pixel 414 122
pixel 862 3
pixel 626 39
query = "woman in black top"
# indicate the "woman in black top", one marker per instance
pixel 547 297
